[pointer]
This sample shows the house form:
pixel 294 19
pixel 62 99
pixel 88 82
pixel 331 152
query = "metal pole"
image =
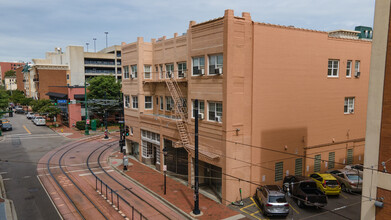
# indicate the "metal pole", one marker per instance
pixel 94 44
pixel 196 210
pixel 121 125
pixel 106 38
pixel 165 176
pixel 86 106
pixel 106 136
pixel 87 46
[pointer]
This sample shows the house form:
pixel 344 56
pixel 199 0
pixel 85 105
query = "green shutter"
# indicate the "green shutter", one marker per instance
pixel 279 169
pixel 299 167
pixel 350 156
pixel 331 160
pixel 317 163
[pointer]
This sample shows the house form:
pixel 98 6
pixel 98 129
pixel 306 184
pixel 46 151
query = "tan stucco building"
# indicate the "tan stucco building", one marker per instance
pixel 272 99
pixel 377 177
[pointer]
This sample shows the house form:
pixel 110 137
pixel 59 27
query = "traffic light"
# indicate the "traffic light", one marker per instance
pixel 69 101
pixel 127 131
pixel 55 101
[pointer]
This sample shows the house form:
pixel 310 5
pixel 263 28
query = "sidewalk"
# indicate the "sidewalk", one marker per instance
pixel 74 133
pixel 177 194
pixel 7 208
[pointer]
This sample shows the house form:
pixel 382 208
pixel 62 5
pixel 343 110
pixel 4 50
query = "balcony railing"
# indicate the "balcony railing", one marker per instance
pixel 162 76
pixel 88 62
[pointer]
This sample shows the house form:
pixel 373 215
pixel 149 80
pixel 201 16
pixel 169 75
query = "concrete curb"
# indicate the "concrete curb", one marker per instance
pixel 164 201
pixel 9 207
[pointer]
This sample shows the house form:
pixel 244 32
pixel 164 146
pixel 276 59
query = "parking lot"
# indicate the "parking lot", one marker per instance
pixel 346 206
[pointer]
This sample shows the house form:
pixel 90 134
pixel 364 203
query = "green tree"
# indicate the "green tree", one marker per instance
pixel 17 96
pixel 104 84
pixel 49 110
pixel 26 101
pixel 10 73
pixel 4 100
pixel 36 105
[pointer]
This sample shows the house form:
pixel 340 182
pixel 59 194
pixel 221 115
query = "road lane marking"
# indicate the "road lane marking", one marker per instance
pixel 47 193
pixel 1 173
pixel 248 206
pixel 294 209
pixel 24 126
pixel 339 208
pixel 345 197
pixel 6 179
pixel 100 172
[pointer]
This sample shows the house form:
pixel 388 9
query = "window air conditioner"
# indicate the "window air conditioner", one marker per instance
pixel 357 74
pixel 169 74
pixel 218 118
pixel 202 71
pixel 351 110
pixel 201 116
pixel 219 71
pixel 132 76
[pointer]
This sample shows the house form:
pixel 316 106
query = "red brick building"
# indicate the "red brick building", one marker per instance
pixel 6 66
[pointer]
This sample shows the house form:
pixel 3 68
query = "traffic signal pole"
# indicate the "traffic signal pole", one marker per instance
pixel 86 107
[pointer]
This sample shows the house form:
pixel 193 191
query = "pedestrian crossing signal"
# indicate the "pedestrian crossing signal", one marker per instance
pixel 127 131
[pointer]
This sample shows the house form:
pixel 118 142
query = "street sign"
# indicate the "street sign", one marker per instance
pixel 121 122
pixel 88 121
pixel 164 167
pixel 62 101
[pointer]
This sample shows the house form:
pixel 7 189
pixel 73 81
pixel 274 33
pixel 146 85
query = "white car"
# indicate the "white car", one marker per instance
pixel 39 120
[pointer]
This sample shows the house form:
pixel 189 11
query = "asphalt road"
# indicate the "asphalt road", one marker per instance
pixel 23 147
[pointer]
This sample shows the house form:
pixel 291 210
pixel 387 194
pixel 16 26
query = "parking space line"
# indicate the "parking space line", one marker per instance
pixel 257 206
pixel 294 209
pixel 343 196
pixel 24 126
pixel 247 206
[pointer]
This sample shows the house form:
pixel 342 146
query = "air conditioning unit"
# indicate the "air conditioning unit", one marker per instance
pixel 201 116
pixel 351 110
pixel 132 76
pixel 219 71
pixel 202 72
pixel 169 74
pixel 357 74
pixel 218 118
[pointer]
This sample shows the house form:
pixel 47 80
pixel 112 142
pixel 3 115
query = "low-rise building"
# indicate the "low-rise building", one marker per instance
pixel 10 83
pixel 273 100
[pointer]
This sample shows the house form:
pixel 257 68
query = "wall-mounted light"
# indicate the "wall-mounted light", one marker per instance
pixel 379 202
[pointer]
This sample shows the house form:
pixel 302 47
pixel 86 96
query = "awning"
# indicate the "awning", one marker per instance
pixel 79 96
pixel 57 95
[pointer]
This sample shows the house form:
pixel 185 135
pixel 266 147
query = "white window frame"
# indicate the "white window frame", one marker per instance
pixel 200 110
pixel 126 72
pixel 147 72
pixel 349 105
pixel 161 103
pixel 169 69
pixel 215 64
pixel 195 63
pixel 127 101
pixel 182 68
pixel 332 68
pixel 133 69
pixel 357 64
pixel 213 105
pixel 349 68
pixel 134 102
pixel 145 102
pixel 161 72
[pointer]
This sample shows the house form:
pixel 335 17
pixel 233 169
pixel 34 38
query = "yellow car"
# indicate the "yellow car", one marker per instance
pixel 327 183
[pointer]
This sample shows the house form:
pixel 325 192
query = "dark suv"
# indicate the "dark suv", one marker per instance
pixel 272 200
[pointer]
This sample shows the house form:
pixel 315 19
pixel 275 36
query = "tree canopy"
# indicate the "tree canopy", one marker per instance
pixel 104 84
pixel 4 97
pixel 36 105
pixel 10 73
pixel 17 96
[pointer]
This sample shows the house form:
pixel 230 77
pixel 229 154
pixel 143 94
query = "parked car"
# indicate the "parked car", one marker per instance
pixel 19 110
pixel 6 127
pixel 39 120
pixel 349 180
pixel 327 183
pixel 272 200
pixel 30 115
pixel 4 120
pixel 304 191
pixel 358 168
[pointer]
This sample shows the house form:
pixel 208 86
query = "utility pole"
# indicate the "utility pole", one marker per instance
pixel 86 106
pixel 196 210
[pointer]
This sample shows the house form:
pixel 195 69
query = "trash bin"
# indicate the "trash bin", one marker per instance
pixel 93 124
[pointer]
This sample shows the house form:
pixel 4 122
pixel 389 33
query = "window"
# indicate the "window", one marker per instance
pixel 299 167
pixel 147 149
pixel 148 102
pixel 349 105
pixel 349 68
pixel 161 72
pixel 157 154
pixel 215 111
pixel 357 67
pixel 169 103
pixel 198 66
pixel 169 71
pixel 331 160
pixel 215 64
pixel 317 163
pixel 126 72
pixel 67 76
pixel 279 170
pixel 127 101
pixel 134 102
pixel 147 71
pixel 333 68
pixel 134 71
pixel 201 108
pixel 350 156
pixel 161 103
pixel 182 69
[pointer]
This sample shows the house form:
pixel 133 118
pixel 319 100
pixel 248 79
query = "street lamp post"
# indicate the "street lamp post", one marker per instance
pixel 165 151
pixel 86 107
pixel 94 39
pixel 106 132
pixel 196 210
pixel 106 38
pixel 87 46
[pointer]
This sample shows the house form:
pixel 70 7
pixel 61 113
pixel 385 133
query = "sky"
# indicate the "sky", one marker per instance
pixel 30 28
